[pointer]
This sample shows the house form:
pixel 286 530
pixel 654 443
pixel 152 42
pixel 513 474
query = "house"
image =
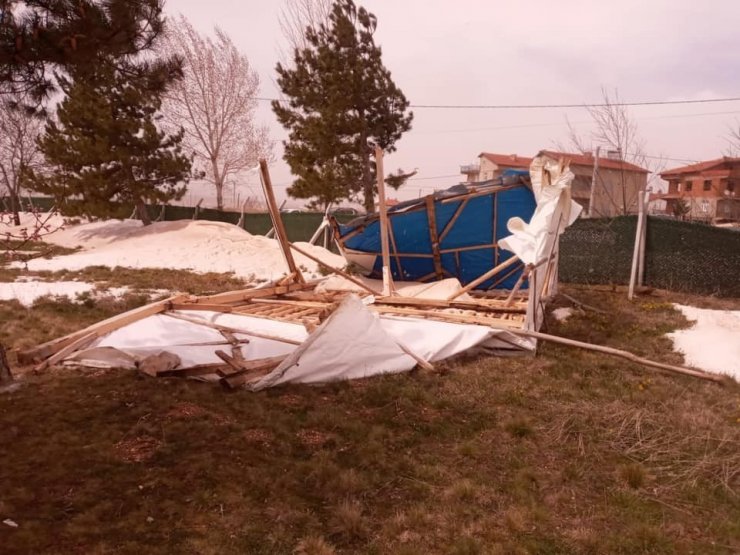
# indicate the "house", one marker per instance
pixel 617 182
pixel 707 190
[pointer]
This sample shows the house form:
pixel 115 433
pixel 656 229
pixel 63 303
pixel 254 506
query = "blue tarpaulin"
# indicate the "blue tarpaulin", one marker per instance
pixel 467 247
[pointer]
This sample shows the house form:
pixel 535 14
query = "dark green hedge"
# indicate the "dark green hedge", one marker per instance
pixel 681 256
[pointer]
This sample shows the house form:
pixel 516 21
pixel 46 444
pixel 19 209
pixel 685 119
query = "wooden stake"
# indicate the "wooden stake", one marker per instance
pixel 433 237
pixel 388 288
pixel 277 222
pixel 337 271
pixel 488 275
pixel 620 353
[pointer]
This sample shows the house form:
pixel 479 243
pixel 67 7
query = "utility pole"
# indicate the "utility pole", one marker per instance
pixel 594 177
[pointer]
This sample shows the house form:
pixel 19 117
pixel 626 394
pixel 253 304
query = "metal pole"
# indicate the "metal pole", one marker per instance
pixel 594 177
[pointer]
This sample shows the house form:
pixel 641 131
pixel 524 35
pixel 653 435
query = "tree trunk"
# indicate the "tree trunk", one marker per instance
pixel 15 207
pixel 5 375
pixel 368 187
pixel 142 212
pixel 218 180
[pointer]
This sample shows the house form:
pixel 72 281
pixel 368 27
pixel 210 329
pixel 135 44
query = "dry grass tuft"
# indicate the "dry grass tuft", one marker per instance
pixel 137 449
pixel 314 545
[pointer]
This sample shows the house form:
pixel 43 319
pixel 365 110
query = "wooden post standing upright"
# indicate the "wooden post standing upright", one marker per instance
pixel 277 223
pixel 388 287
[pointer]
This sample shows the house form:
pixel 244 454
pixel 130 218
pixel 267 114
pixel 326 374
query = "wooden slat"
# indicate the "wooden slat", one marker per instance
pixel 60 355
pixel 433 238
pixel 462 305
pixel 451 223
pixel 207 324
pixel 248 294
pixel 193 371
pixel 488 275
pixel 478 319
pixel 200 306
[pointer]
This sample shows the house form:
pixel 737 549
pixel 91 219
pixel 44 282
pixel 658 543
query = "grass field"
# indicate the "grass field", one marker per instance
pixel 565 452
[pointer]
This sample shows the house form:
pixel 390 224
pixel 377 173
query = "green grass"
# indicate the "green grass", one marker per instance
pixel 566 452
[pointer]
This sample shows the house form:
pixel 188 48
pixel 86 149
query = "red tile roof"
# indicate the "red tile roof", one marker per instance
pixel 699 167
pixel 507 160
pixel 588 160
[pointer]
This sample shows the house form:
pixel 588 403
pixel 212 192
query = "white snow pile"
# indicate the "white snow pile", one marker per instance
pixel 713 342
pixel 200 246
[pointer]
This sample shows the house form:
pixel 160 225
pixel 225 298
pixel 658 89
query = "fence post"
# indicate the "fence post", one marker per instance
pixel 636 250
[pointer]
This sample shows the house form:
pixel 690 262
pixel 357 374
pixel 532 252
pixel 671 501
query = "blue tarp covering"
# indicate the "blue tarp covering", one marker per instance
pixel 474 227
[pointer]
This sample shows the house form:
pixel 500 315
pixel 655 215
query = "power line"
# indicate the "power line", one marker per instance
pixel 552 106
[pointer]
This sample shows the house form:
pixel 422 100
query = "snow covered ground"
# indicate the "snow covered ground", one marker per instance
pixel 200 245
pixel 713 342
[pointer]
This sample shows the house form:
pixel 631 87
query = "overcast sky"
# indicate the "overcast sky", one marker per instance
pixel 517 52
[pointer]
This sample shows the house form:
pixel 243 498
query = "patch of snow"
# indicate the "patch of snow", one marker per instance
pixel 26 292
pixel 713 342
pixel 199 245
pixel 562 314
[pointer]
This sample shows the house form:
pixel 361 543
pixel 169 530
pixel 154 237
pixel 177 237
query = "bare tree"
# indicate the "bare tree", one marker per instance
pixel 615 130
pixel 296 16
pixel 215 103
pixel 733 141
pixel 20 126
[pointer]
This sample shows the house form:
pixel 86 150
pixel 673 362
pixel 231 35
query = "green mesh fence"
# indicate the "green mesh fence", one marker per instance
pixel 680 256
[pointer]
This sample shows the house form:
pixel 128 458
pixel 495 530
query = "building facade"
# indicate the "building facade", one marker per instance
pixel 706 191
pixel 617 183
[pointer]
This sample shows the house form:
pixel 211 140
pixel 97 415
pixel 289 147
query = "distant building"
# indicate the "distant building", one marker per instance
pixel 708 189
pixel 617 182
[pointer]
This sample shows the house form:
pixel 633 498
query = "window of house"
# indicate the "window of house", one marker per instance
pixel 688 185
pixel 730 186
pixel 707 184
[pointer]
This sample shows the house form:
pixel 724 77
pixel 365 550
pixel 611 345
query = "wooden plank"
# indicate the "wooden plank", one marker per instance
pixel 277 222
pixel 623 354
pixel 488 275
pixel 201 322
pixel 388 288
pixel 392 237
pixel 60 355
pixel 193 371
pixel 251 370
pixel 462 305
pixel 200 306
pixel 255 293
pixel 433 237
pixel 47 349
pixel 342 273
pixel 451 223
pixel 477 319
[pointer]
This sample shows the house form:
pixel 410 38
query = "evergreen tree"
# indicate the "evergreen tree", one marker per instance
pixel 38 36
pixel 340 97
pixel 106 146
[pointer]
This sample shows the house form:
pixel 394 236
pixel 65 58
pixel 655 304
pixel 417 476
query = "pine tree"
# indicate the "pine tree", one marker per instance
pixel 340 97
pixel 39 36
pixel 106 147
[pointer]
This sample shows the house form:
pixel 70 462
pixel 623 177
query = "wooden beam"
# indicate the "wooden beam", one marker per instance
pixel 200 306
pixel 60 355
pixel 201 322
pixel 254 293
pixel 277 222
pixel 488 275
pixel 461 305
pixel 622 354
pixel 337 271
pixel 433 237
pixel 251 370
pixel 451 223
